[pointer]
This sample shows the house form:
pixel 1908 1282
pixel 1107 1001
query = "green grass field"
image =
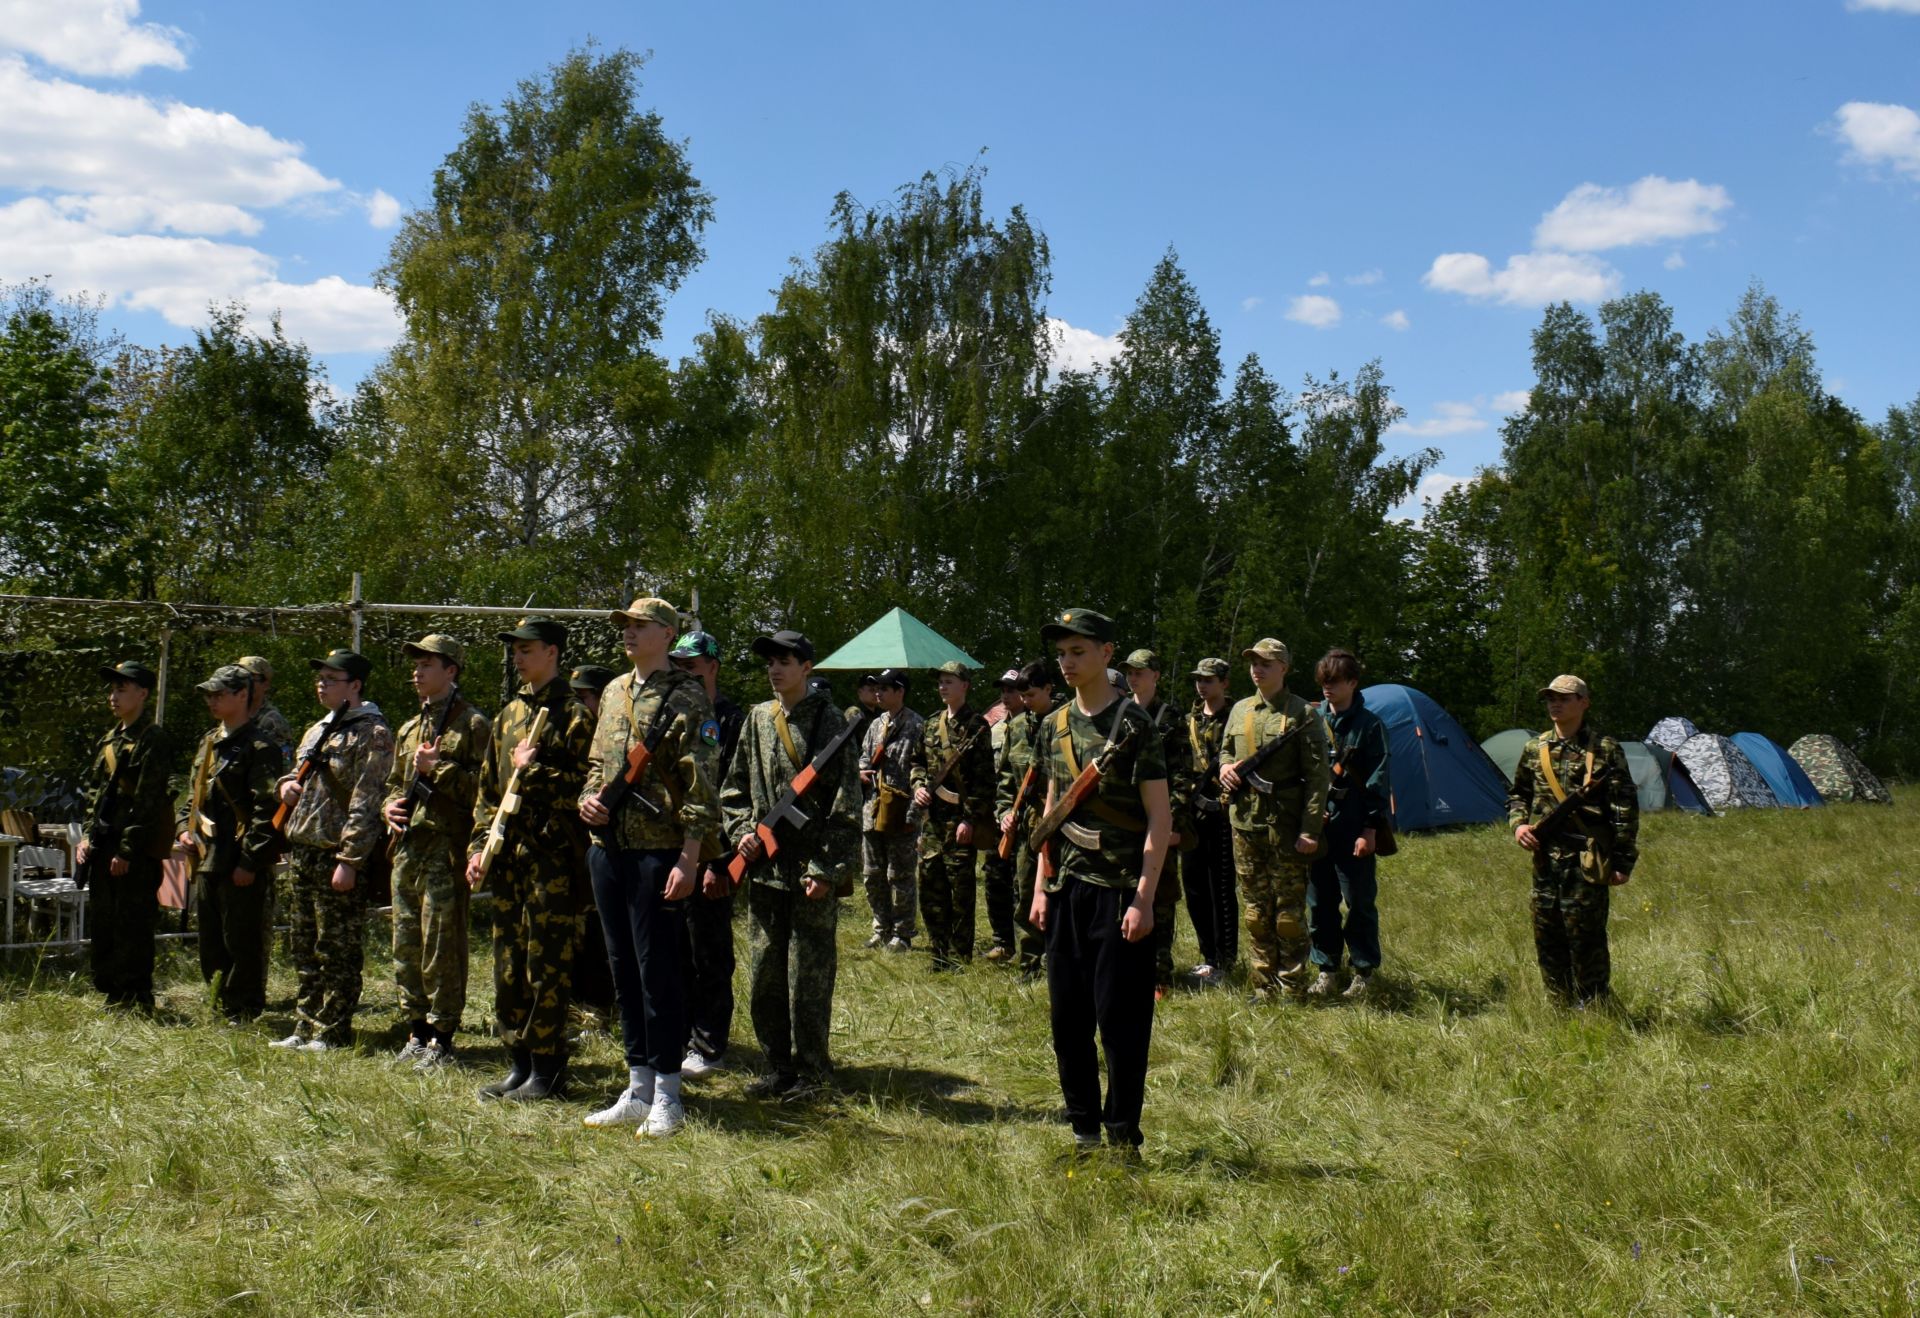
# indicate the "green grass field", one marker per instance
pixel 1738 1138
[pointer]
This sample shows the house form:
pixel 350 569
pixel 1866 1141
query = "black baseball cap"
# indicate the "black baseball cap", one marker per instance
pixel 784 642
pixel 355 666
pixel 1079 622
pixel 891 677
pixel 130 670
pixel 539 627
pixel 590 677
pixel 695 645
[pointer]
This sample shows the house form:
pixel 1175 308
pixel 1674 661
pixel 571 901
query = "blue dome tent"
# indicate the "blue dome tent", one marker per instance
pixel 1440 774
pixel 1782 772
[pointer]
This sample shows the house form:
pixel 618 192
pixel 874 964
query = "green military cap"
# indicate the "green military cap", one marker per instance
pixel 1210 668
pixel 958 669
pixel 227 677
pixel 257 665
pixel 1146 659
pixel 1079 622
pixel 538 627
pixel 1565 685
pixel 695 645
pixel 355 666
pixel 1268 648
pixel 651 608
pixel 590 677
pixel 130 670
pixel 437 643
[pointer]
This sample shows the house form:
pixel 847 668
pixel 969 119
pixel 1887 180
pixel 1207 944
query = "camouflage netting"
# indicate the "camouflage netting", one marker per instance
pixel 1836 771
pixel 1723 773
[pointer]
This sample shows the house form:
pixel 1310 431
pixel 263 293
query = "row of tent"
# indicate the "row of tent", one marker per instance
pixel 1442 776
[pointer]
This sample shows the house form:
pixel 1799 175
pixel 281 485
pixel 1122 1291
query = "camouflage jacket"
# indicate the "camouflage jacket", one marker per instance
pixel 902 733
pixel 340 809
pixel 1017 750
pixel 274 727
pixel 129 807
pixel 1171 722
pixel 731 719
pixel 1114 818
pixel 1532 797
pixel 1360 796
pixel 681 778
pixel 1298 803
pixel 1202 735
pixel 549 815
pixel 828 848
pixel 967 791
pixel 231 800
pixel 447 813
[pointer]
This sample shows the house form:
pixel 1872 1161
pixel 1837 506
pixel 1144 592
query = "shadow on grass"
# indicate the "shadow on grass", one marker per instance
pixel 1425 996
pixel 1243 1162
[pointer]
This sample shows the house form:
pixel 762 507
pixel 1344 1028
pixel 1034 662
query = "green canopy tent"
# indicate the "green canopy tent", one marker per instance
pixel 898 640
pixel 1504 748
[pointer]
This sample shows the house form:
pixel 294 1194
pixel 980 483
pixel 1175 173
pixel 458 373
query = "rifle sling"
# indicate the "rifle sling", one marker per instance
pixel 1093 805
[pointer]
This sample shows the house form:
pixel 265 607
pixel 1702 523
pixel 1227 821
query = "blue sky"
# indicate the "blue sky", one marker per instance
pixel 1342 181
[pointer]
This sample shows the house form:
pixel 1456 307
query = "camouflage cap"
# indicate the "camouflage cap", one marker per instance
pixel 648 609
pixel 355 666
pixel 1268 648
pixel 1565 685
pixel 1211 668
pixel 590 677
pixel 1146 659
pixel 130 670
pixel 695 645
pixel 538 627
pixel 955 668
pixel 1078 622
pixel 227 677
pixel 257 665
pixel 437 643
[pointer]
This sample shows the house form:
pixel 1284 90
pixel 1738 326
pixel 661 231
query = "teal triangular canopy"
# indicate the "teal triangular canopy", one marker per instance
pixel 898 640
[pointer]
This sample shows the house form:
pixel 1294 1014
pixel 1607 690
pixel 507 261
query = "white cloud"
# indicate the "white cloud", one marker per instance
pixel 1592 218
pixel 1531 279
pixel 1435 485
pixel 1878 134
pixel 1448 419
pixel 1513 400
pixel 1315 310
pixel 1887 6
pixel 1320 280
pixel 178 277
pixel 97 37
pixel 131 214
pixel 1249 303
pixel 1076 349
pixel 383 211
pixel 1366 277
pixel 1396 320
pixel 1674 261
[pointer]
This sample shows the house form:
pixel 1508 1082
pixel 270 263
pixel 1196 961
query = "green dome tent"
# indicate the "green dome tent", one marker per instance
pixel 1649 775
pixel 1504 748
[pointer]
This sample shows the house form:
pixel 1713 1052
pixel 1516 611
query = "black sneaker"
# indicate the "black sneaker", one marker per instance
pixel 775 1084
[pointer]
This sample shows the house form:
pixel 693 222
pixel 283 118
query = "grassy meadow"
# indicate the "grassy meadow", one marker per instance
pixel 1738 1137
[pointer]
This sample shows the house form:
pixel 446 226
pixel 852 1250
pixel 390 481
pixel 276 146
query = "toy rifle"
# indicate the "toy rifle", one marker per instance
pixel 309 761
pixel 418 788
pixel 623 789
pixel 1083 786
pixel 1019 800
pixel 1566 811
pixel 1248 770
pixel 509 800
pixel 787 809
pixel 952 761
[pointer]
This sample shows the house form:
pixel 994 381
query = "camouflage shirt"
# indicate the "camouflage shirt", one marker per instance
pixel 828 848
pixel 1017 750
pixel 447 812
pixel 274 727
pixel 1198 762
pixel 1171 723
pixel 340 809
pixel 901 732
pixel 231 801
pixel 968 788
pixel 1532 797
pixel 680 778
pixel 1069 741
pixel 550 788
pixel 1298 803
pixel 129 807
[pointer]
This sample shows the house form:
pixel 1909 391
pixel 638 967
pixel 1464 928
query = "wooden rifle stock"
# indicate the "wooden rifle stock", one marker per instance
pixel 1019 800
pixel 786 807
pixel 304 770
pixel 418 789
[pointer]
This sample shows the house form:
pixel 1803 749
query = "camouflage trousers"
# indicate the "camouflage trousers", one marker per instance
pixel 430 902
pixel 887 862
pixel 1166 904
pixel 233 938
pixel 327 940
pixel 1273 903
pixel 793 957
pixel 122 913
pixel 1570 929
pixel 947 886
pixel 536 930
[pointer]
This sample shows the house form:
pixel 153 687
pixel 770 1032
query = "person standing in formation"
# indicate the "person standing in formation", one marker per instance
pixel 953 782
pixel 593 990
pixel 129 821
pixel 888 818
pixel 1018 814
pixel 1359 815
pixel 997 874
pixel 1208 864
pixel 1142 672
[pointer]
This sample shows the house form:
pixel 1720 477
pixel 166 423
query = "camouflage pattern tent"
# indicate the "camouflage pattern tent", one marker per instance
pixel 1725 776
pixel 1837 771
pixel 1670 734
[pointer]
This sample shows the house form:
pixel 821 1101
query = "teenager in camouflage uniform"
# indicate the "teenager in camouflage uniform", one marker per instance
pixel 266 715
pixel 430 894
pixel 888 858
pixel 129 818
pixel 1574 872
pixel 1208 863
pixel 593 989
pixel 996 875
pixel 959 816
pixel 334 827
pixel 1017 752
pixel 1097 907
pixel 1276 829
pixel 1142 670
pixel 793 898
pixel 228 829
pixel 646 862
pixel 536 900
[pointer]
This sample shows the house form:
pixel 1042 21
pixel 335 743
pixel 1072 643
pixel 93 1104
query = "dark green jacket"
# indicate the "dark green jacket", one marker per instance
pixel 231 799
pixel 129 804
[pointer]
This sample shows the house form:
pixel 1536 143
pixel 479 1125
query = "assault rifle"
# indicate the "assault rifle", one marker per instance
pixel 1019 800
pixel 952 761
pixel 1083 786
pixel 304 770
pixel 509 801
pixel 1248 770
pixel 418 788
pixel 622 790
pixel 787 809
pixel 1566 811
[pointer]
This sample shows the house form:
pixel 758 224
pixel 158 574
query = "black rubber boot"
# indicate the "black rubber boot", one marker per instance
pixel 549 1079
pixel 522 1072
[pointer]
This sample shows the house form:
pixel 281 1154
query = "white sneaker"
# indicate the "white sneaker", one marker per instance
pixel 627 1110
pixel 292 1042
pixel 1323 985
pixel 317 1046
pixel 697 1063
pixel 1357 990
pixel 667 1115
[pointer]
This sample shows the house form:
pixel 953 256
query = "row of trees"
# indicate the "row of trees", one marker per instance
pixel 1698 527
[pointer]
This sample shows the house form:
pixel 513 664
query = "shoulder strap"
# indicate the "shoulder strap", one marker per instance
pixel 1546 771
pixel 786 733
pixel 1064 736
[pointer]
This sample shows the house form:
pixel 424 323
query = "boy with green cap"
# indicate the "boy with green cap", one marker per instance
pixel 952 777
pixel 1142 672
